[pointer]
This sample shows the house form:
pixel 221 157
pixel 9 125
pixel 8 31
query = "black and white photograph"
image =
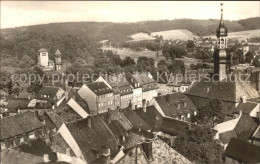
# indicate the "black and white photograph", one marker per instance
pixel 130 82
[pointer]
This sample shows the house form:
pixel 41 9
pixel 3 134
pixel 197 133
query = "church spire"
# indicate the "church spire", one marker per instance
pixel 222 19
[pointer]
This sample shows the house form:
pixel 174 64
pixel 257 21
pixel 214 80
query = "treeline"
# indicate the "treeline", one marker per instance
pixel 117 32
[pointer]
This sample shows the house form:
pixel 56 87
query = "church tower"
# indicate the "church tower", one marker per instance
pixel 221 57
pixel 58 62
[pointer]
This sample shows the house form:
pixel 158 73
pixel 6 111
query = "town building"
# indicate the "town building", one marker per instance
pixel 20 129
pixel 239 151
pixel 149 86
pixel 99 97
pixel 50 97
pixel 176 105
pixel 123 91
pixel 137 91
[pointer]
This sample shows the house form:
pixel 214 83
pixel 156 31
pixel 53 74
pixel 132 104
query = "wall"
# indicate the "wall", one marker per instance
pixel 90 98
pixel 137 97
pixel 66 135
pixel 149 95
pixel 44 59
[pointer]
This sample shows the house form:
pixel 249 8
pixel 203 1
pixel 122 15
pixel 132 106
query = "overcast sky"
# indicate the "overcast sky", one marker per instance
pixel 15 13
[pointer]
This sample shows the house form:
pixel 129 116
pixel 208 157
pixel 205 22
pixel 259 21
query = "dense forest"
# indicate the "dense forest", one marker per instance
pixel 97 31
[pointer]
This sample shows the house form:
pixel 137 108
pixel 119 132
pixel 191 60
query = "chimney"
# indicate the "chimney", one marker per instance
pixel 66 95
pixel 243 99
pixel 240 113
pixel 207 90
pixel 36 113
pixel 144 105
pixel 105 156
pixel 109 119
pixel 68 151
pixel 178 105
pixel 185 104
pixel 46 158
pixel 189 126
pixel 89 122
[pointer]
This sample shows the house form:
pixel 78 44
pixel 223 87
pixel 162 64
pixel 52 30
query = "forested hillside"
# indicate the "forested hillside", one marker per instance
pixel 97 31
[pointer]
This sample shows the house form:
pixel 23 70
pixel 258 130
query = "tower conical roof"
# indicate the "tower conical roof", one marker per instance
pixel 57 52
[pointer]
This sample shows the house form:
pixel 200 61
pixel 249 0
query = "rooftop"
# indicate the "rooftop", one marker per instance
pixel 243 151
pixel 99 88
pixel 19 124
pixel 231 91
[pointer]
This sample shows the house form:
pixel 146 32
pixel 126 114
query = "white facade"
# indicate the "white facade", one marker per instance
pixel 137 97
pixel 43 59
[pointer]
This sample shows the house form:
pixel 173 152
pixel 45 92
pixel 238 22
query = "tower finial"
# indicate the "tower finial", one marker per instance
pixel 221 20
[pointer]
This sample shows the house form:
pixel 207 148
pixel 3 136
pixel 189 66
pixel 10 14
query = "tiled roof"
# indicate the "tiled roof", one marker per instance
pixel 99 88
pixel 18 104
pixel 48 90
pixel 231 91
pixel 246 127
pixel 226 136
pixel 80 101
pixel 18 124
pixel 136 120
pixel 174 126
pixel 151 117
pixel 37 147
pixel 246 107
pixel 168 104
pixel 92 138
pixel 11 156
pixel 243 151
pixel 59 144
pixel 43 50
pixel 86 138
pixel 145 81
pixel 60 116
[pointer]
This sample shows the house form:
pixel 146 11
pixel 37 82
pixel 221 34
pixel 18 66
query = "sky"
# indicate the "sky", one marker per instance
pixel 23 13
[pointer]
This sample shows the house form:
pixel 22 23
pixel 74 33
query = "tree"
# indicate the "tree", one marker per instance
pixel 210 114
pixel 199 145
pixel 128 61
pixel 177 66
pixel 249 57
pixel 190 44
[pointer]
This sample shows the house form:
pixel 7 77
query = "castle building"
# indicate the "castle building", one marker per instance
pixel 46 63
pixel 221 57
pixel 43 57
pixel 58 60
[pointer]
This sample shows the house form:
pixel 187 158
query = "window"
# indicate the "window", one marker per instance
pixel 32 135
pixel 21 140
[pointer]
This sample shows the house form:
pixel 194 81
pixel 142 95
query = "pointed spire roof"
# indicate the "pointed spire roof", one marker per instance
pixel 57 52
pixel 222 29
